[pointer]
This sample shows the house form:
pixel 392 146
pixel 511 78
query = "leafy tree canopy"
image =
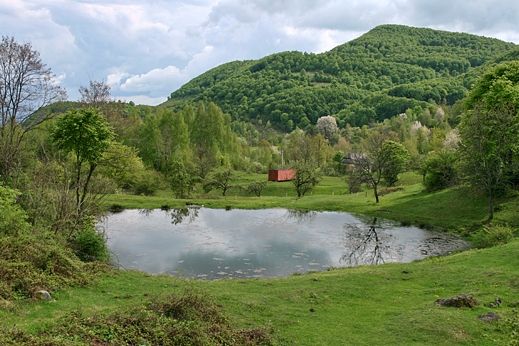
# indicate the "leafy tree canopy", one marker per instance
pixel 383 73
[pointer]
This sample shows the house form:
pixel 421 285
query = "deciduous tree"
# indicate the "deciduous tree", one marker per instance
pixel 489 131
pixel 220 179
pixel 96 93
pixel 381 159
pixel 26 85
pixel 307 176
pixel 86 134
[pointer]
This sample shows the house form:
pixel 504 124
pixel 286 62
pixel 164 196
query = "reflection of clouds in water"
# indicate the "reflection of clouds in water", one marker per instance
pixel 268 242
pixel 277 260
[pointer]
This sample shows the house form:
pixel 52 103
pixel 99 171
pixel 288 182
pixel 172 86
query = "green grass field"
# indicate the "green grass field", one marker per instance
pixel 391 304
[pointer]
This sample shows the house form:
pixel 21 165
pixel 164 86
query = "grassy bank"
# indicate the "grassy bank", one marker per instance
pixel 392 304
pixel 384 305
pixel 456 209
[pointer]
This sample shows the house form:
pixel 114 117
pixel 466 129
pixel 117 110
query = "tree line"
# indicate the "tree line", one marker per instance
pixel 384 72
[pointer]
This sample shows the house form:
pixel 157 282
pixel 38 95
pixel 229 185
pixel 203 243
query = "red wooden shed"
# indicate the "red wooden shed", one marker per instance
pixel 281 174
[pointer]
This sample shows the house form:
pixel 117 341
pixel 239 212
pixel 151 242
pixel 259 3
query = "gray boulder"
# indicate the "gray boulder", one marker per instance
pixel 42 295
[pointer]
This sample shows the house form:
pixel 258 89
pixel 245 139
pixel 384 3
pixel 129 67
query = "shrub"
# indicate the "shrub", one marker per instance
pixel 147 183
pixel 116 208
pixel 13 219
pixel 89 244
pixel 494 235
pixel 354 183
pixel 440 170
pixel 32 262
pixel 256 188
pixel 189 319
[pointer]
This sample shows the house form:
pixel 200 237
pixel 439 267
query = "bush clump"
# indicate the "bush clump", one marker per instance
pixel 13 219
pixel 89 244
pixel 493 235
pixel 440 170
pixel 256 188
pixel 188 319
pixel 32 262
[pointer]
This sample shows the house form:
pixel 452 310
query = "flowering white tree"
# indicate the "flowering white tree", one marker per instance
pixel 327 126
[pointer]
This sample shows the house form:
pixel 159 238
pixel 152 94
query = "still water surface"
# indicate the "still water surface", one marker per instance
pixel 216 243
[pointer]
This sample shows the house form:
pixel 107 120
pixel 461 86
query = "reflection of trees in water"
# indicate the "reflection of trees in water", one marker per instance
pixel 364 244
pixel 145 212
pixel 178 215
pixel 301 215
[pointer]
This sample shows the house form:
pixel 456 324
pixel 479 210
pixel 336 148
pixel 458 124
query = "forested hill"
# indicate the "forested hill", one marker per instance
pixel 380 74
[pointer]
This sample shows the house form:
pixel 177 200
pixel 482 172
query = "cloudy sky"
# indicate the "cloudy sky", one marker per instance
pixel 146 49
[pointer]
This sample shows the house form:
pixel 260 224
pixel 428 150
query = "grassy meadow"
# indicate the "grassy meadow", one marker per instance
pixel 390 304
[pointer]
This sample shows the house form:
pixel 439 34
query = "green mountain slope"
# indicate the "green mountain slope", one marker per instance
pixel 380 74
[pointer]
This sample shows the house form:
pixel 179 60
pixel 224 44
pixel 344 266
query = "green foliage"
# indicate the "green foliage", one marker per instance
pixel 188 319
pixel 220 179
pixel 84 132
pixel 148 183
pixel 489 131
pixel 378 75
pixel 13 219
pixel 32 262
pixel 89 244
pixel 440 170
pixel 493 235
pixel 256 188
pixel 200 134
pixel 181 180
pixel 396 158
pixel 306 178
pixel 122 164
pixel 300 147
pixel 381 158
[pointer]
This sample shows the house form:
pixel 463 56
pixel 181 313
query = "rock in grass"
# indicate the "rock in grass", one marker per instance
pixel 460 301
pixel 495 304
pixel 42 295
pixel 489 317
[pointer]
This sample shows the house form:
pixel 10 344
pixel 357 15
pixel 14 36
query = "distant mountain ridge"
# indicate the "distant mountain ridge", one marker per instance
pixel 382 73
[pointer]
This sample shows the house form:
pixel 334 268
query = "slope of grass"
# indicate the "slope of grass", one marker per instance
pixel 390 304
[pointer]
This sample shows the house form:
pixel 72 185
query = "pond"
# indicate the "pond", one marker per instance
pixel 217 243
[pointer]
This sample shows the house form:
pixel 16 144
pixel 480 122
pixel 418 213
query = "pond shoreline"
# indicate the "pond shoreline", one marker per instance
pixel 453 210
pixel 200 242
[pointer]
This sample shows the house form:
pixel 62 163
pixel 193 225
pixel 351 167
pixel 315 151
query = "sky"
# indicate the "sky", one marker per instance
pixel 146 49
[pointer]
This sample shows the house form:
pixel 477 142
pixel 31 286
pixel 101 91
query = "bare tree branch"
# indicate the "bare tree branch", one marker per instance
pixel 26 86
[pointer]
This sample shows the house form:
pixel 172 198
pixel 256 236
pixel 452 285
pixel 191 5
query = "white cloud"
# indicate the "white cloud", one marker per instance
pixel 145 50
pixel 114 79
pixel 156 79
